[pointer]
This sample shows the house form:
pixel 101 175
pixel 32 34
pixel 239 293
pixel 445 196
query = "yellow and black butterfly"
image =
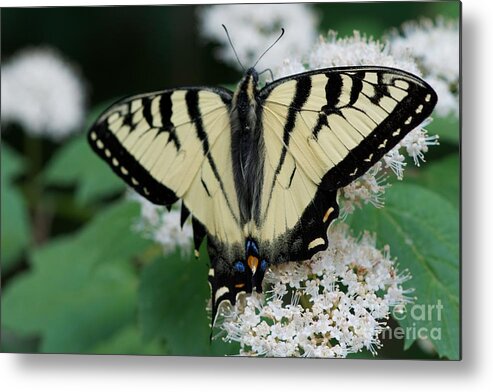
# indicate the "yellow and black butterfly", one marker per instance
pixel 259 169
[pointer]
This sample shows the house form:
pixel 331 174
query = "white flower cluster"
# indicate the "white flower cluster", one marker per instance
pixel 369 188
pixel 332 51
pixel 163 226
pixel 357 49
pixel 254 26
pixel 337 303
pixel 435 47
pixel 43 93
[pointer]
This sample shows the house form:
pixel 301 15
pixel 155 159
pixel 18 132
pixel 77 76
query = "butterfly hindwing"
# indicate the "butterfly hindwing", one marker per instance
pixel 322 130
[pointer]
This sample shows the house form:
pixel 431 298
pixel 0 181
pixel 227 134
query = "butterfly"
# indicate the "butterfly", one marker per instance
pixel 258 169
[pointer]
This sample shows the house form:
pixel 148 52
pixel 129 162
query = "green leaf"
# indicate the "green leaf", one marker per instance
pixel 172 304
pixel 173 295
pixel 15 228
pixel 443 177
pixel 82 288
pixel 447 128
pixel 108 237
pixel 70 304
pixel 128 341
pixel 11 342
pixel 14 218
pixel 12 163
pixel 422 229
pixel 76 164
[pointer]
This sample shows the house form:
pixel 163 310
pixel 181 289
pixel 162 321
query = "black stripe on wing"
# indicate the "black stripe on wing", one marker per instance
pixel 109 148
pixel 165 111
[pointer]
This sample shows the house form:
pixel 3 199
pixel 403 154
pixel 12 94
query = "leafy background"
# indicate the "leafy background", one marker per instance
pixel 77 279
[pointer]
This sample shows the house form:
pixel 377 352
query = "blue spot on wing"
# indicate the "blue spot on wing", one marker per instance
pixel 239 266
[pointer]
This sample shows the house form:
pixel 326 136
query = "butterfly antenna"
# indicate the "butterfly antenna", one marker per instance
pixel 275 42
pixel 234 50
pixel 267 70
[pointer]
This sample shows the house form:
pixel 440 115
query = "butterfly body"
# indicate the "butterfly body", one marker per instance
pixel 259 169
pixel 247 145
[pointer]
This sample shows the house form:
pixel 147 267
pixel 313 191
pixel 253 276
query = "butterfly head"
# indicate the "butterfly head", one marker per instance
pixel 248 84
pixel 245 99
pixel 253 74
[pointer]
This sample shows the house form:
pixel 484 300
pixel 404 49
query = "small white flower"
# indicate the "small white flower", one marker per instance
pixel 163 226
pixel 253 27
pixel 435 47
pixel 290 67
pixel 367 189
pixel 343 297
pixel 416 144
pixel 43 93
pixel 395 161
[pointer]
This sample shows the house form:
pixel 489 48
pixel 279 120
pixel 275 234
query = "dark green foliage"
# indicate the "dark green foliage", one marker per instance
pixel 92 180
pixel 173 295
pixel 81 289
pixel 14 214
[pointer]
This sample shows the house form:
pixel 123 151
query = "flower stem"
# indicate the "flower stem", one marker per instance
pixel 40 213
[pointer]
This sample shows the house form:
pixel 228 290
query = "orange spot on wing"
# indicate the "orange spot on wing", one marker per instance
pixel 327 214
pixel 252 263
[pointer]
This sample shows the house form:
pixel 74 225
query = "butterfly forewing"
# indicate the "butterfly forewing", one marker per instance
pixel 322 130
pixel 175 144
